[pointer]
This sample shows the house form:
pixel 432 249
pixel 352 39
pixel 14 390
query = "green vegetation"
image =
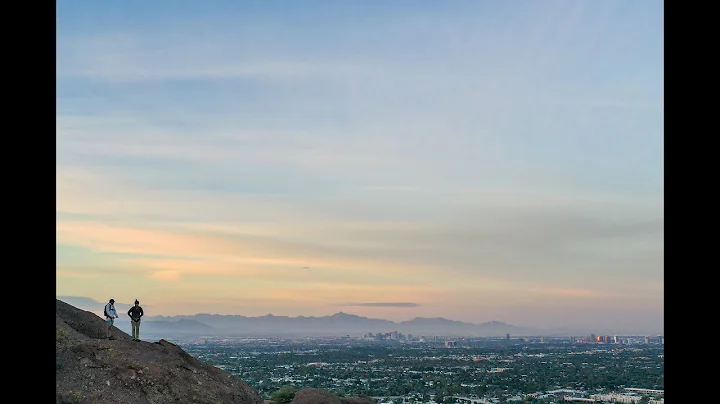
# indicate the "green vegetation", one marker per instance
pixel 73 397
pixel 284 395
pixel 61 336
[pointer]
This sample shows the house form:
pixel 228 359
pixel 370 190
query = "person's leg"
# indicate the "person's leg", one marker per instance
pixel 134 328
pixel 138 329
pixel 109 323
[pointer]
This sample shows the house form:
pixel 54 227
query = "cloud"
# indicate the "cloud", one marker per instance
pixel 75 273
pixel 580 293
pixel 508 237
pixel 382 304
pixel 374 121
pixel 514 162
pixel 127 58
pixel 474 243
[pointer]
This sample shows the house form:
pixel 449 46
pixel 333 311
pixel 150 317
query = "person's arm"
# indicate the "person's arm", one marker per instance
pixel 130 311
pixel 142 313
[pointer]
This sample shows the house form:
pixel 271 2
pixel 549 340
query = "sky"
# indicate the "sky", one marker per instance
pixel 473 160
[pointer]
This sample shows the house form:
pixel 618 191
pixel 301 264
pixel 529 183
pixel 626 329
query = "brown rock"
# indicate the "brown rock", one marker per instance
pixel 91 369
pixel 318 396
pixel 315 396
pixel 358 400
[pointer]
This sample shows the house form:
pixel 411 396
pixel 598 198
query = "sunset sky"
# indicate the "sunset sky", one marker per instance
pixel 475 160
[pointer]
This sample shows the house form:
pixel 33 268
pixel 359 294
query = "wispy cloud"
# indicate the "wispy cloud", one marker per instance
pixel 474 155
pixel 382 304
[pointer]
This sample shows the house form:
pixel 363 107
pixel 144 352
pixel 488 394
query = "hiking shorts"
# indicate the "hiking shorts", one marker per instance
pixel 110 321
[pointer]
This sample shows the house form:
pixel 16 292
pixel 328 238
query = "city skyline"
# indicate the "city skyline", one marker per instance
pixel 477 161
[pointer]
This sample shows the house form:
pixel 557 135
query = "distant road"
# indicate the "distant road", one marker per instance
pixel 466 399
pixel 472 400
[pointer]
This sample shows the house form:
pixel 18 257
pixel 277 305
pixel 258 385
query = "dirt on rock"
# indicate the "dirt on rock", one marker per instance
pixel 92 369
pixel 319 396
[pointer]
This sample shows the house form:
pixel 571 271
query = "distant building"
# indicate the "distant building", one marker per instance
pixel 507 337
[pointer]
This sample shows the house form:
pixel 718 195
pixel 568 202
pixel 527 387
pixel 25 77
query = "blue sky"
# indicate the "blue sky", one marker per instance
pixel 486 160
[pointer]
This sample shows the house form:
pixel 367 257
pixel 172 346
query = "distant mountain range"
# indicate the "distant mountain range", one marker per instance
pixel 337 324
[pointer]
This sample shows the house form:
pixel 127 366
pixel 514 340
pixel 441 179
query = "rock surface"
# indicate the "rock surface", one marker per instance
pixel 92 369
pixel 315 396
pixel 358 400
pixel 319 396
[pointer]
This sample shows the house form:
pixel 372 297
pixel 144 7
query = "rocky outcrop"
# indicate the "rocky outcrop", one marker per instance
pixel 92 369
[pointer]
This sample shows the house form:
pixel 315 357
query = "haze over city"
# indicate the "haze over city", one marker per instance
pixel 472 160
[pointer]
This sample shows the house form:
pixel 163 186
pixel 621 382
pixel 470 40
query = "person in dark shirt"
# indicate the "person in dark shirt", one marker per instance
pixel 135 313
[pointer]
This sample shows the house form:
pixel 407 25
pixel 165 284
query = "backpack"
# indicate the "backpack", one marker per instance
pixel 105 311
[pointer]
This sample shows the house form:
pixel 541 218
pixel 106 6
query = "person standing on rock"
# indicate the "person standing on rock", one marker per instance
pixel 135 313
pixel 110 316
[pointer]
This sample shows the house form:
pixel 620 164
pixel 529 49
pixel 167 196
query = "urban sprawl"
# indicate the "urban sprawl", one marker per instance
pixel 396 368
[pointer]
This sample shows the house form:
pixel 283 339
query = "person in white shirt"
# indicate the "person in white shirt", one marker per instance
pixel 110 316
